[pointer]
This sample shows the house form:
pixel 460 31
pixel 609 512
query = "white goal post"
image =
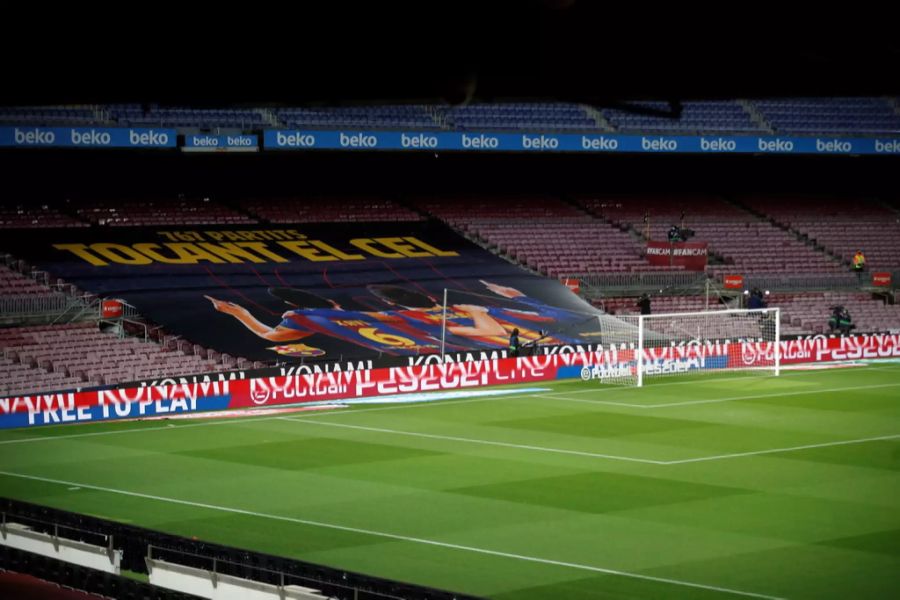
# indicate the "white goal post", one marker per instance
pixel 644 346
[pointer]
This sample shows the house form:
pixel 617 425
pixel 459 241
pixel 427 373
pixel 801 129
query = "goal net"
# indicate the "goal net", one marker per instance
pixel 638 347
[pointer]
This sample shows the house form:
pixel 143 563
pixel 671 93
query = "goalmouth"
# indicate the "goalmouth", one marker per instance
pixel 644 346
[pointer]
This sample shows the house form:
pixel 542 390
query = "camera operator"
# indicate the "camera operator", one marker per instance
pixel 644 304
pixel 834 318
pixel 531 348
pixel 845 322
pixel 756 299
pixel 675 234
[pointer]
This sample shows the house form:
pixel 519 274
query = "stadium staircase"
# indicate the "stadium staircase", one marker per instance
pixel 597 116
pixel 756 116
pixel 270 118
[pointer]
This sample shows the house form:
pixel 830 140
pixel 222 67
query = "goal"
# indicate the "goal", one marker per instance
pixel 638 347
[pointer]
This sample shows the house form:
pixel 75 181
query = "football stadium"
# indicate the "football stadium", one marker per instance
pixel 600 330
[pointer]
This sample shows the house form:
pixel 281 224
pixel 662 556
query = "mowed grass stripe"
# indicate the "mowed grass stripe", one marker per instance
pixel 617 516
pixel 402 538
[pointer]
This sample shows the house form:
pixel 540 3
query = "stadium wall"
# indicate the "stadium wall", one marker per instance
pixel 260 392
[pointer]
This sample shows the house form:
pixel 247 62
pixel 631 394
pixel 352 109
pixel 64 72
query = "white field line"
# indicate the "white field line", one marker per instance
pixel 579 400
pixel 776 450
pixel 790 375
pixel 480 441
pixel 716 400
pixel 224 421
pixel 402 538
pixel 588 454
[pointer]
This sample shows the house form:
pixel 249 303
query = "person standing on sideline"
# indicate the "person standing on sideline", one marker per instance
pixel 514 343
pixel 859 264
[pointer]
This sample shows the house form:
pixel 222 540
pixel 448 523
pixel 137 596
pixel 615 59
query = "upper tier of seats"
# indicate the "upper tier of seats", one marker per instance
pixel 543 233
pixel 24 215
pixel 51 115
pixel 158 211
pixel 831 115
pixel 556 117
pixel 380 117
pixel 754 234
pixel 746 242
pixel 841 225
pixel 328 210
pixel 712 116
pixel 154 116
pixel 841 116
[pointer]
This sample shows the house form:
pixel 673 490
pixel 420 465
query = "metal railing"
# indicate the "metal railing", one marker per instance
pixel 673 282
pixel 34 304
pixel 809 282
pixel 57 530
pixel 216 565
pixel 640 281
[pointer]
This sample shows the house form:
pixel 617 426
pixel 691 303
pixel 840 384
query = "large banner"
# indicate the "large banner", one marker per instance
pixel 335 292
pixel 124 403
pixel 536 141
pixel 29 136
pixel 690 255
pixel 87 137
pixel 202 142
pixel 163 400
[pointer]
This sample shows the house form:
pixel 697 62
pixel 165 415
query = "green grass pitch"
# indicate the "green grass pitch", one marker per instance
pixel 708 486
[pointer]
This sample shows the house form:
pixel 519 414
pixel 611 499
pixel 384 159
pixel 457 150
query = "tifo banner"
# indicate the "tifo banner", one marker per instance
pixel 691 255
pixel 881 279
pixel 334 292
pixel 149 401
pixel 734 282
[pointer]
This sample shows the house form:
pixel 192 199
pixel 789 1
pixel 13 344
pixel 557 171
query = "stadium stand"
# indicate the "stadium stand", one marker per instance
pixel 54 357
pixel 741 240
pixel 51 115
pixel 810 311
pixel 707 116
pixel 801 313
pixel 627 305
pixel 857 116
pixel 830 115
pixel 32 588
pixel 389 117
pixel 556 117
pixel 158 211
pixel 155 116
pixel 760 234
pixel 328 210
pixel 542 233
pixel 13 284
pixel 840 225
pixel 20 215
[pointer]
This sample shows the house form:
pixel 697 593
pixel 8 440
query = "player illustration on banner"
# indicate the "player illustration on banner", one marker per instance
pixel 383 331
pixel 411 325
